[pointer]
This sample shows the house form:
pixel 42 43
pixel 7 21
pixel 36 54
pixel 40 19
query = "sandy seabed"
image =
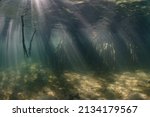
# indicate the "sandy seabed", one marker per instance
pixel 36 82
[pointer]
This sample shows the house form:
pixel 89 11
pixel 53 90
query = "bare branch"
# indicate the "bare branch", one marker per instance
pixel 23 37
pixel 30 46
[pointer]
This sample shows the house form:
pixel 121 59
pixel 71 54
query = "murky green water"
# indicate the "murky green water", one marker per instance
pixel 74 49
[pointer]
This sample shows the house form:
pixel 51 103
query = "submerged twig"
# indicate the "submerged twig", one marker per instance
pixel 30 46
pixel 23 37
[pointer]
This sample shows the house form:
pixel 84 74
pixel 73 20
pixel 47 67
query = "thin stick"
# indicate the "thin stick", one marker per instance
pixel 30 46
pixel 23 37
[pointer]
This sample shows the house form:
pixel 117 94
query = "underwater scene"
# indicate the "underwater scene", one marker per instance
pixel 74 49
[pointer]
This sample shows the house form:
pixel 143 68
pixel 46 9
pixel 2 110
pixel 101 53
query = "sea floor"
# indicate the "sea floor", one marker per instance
pixel 36 82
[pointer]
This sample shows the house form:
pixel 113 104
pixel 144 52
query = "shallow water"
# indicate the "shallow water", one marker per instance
pixel 74 49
